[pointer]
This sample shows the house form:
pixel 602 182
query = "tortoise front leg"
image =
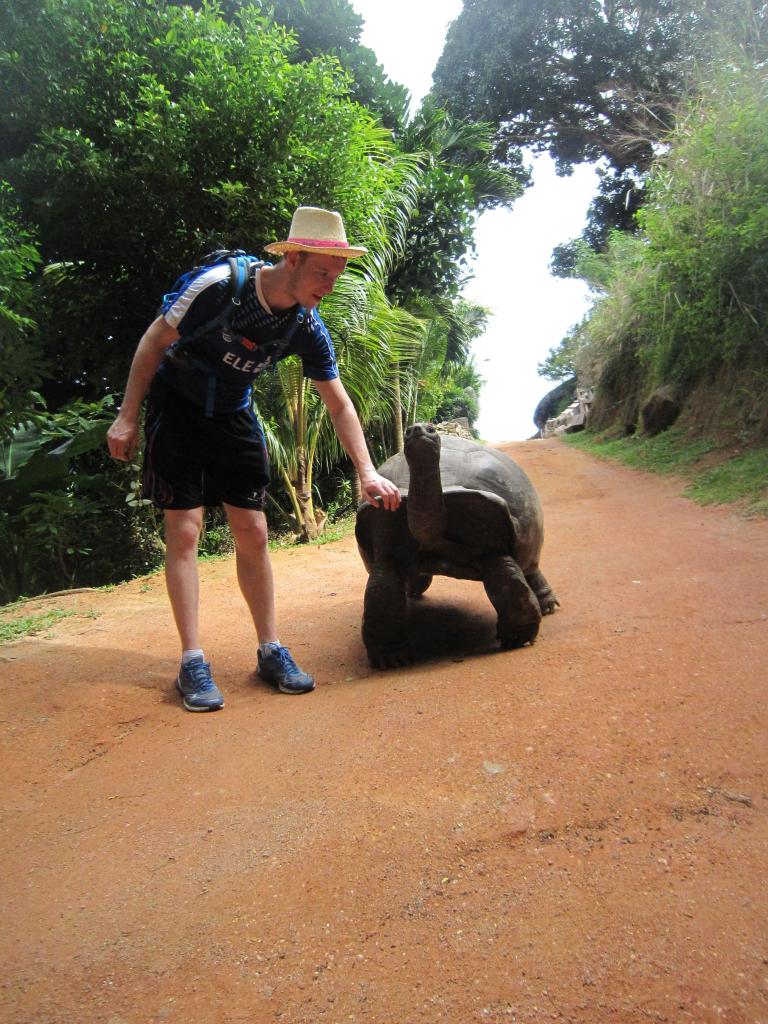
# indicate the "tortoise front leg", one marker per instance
pixel 516 605
pixel 384 633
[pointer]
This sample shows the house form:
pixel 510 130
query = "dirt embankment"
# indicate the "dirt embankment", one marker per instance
pixel 575 831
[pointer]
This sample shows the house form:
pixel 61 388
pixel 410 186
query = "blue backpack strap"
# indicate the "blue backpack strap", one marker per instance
pixel 239 270
pixel 298 320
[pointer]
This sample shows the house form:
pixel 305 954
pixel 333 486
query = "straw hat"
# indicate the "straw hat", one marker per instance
pixel 316 230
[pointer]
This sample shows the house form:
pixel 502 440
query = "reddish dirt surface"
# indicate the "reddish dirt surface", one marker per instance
pixel 575 831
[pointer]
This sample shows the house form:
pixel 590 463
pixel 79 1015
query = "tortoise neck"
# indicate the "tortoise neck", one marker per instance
pixel 425 505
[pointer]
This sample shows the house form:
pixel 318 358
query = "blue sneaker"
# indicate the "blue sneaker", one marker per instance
pixel 197 687
pixel 277 666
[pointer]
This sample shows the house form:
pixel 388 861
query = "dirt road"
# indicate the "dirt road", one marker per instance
pixel 575 831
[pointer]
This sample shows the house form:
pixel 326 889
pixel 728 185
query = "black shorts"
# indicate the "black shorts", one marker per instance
pixel 191 460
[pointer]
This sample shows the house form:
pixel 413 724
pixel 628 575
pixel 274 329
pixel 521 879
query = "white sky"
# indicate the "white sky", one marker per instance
pixel 531 309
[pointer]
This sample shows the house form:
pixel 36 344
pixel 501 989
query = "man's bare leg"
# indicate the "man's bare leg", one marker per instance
pixel 182 535
pixel 254 574
pixel 254 569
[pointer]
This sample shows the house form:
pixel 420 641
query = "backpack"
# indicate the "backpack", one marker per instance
pixel 240 264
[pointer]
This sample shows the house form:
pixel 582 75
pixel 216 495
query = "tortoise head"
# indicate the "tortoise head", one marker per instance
pixel 422 445
pixel 424 504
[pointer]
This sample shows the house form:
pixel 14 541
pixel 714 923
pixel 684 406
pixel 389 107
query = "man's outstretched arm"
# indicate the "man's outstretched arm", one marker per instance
pixel 376 489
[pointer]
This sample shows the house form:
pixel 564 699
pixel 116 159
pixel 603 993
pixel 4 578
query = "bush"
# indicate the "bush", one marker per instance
pixel 707 229
pixel 685 301
pixel 65 520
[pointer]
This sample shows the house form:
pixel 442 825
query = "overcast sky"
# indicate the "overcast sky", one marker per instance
pixel 531 309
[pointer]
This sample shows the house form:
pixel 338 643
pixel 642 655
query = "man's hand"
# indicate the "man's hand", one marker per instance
pixel 376 490
pixel 379 492
pixel 123 439
pixel 123 435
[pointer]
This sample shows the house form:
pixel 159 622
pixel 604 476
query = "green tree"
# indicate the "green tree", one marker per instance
pixel 333 27
pixel 22 366
pixel 138 136
pixel 706 224
pixel 442 378
pixel 460 179
pixel 330 28
pixel 63 505
pixel 581 80
pixel 434 240
pixel 461 396
pixel 619 196
pixel 585 81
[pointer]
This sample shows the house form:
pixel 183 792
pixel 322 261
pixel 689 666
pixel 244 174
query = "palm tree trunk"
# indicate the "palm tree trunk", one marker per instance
pixel 397 412
pixel 307 523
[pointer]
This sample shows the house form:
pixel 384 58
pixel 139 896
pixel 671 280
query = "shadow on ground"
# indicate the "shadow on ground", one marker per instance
pixel 438 628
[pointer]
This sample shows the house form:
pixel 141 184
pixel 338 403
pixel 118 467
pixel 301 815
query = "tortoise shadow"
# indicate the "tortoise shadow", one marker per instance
pixel 437 628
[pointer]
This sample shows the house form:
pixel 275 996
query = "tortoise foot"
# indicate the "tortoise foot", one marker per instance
pixel 416 585
pixel 393 656
pixel 548 604
pixel 545 595
pixel 511 639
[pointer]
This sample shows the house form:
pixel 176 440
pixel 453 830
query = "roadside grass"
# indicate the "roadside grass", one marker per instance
pixel 30 625
pixel 743 478
pixel 332 531
pixel 717 476
pixel 337 530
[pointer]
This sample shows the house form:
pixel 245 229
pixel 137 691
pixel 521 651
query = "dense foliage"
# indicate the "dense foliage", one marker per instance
pixel 138 136
pixel 68 516
pixel 135 136
pixel 22 366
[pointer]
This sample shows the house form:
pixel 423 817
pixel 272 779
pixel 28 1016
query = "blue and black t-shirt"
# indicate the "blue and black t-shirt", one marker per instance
pixel 236 353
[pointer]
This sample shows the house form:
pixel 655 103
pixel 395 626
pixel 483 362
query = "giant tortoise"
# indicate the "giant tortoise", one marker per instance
pixel 469 512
